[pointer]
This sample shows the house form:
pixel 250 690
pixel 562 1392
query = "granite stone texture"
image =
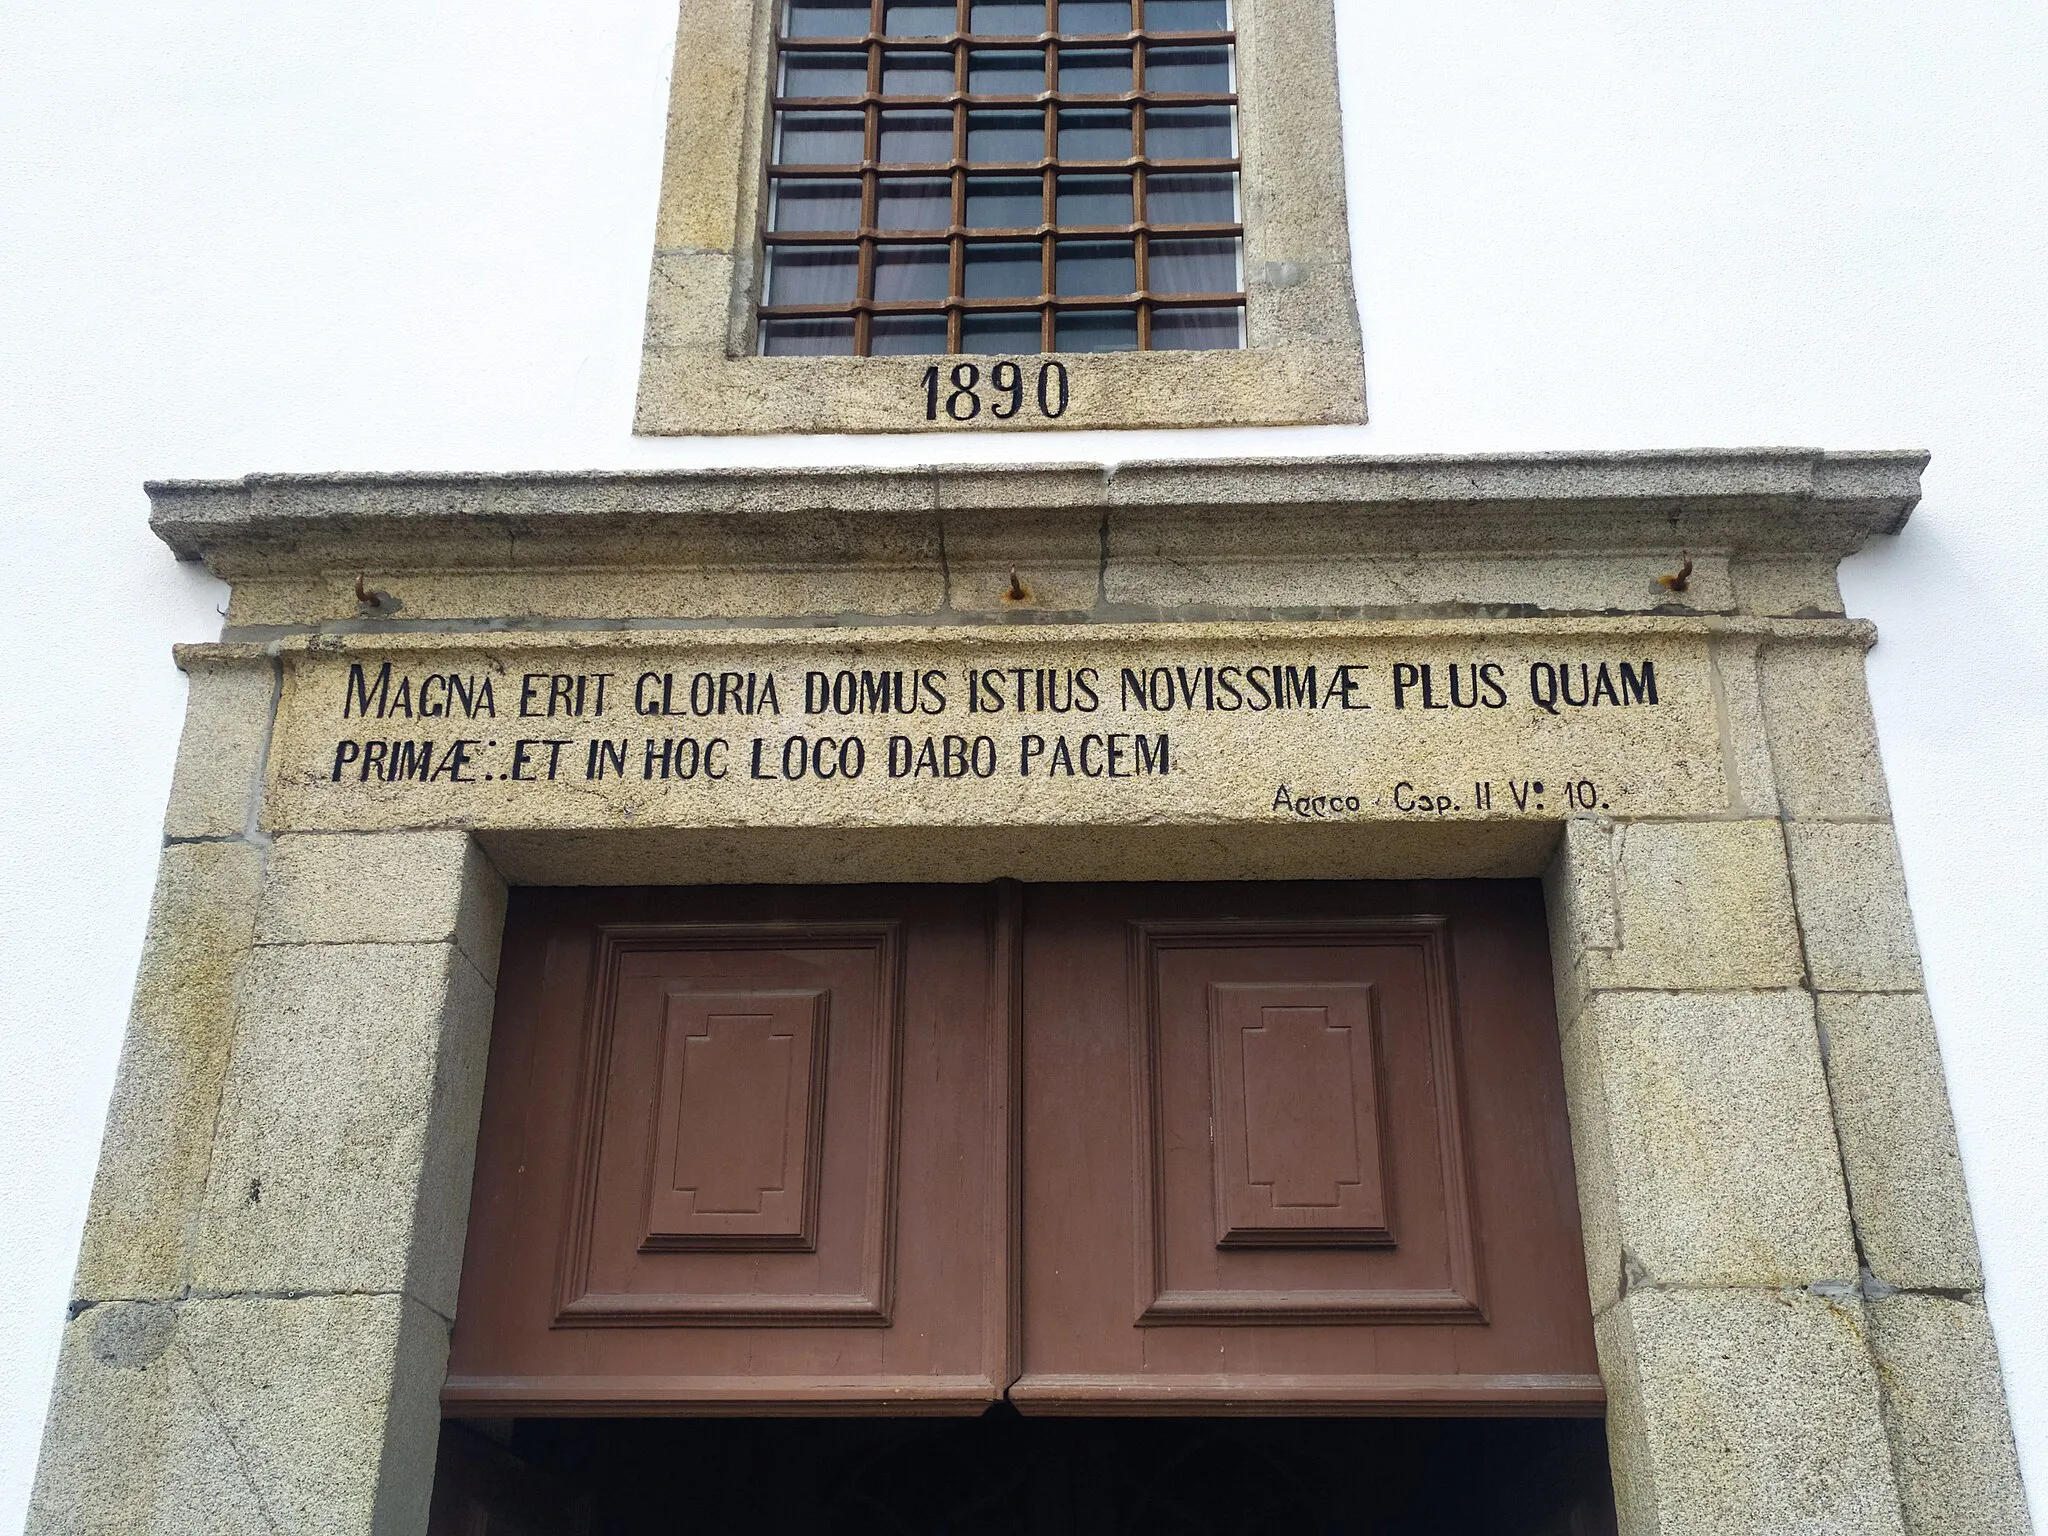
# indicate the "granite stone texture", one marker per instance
pixel 1718 1138
pixel 153 1160
pixel 1898 1142
pixel 1745 746
pixel 346 1123
pixel 243 1417
pixel 384 888
pixel 1753 504
pixel 1700 905
pixel 1852 907
pixel 229 699
pixel 1823 741
pixel 1593 1162
pixel 1745 1411
pixel 1952 1449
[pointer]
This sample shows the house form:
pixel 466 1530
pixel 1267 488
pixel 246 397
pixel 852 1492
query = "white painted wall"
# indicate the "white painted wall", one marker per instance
pixel 379 235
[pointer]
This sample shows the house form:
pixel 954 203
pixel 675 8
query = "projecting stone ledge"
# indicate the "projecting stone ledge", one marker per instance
pixel 1753 531
pixel 1789 498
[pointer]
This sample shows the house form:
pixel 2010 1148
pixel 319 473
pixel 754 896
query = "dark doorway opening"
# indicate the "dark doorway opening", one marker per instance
pixel 1006 1475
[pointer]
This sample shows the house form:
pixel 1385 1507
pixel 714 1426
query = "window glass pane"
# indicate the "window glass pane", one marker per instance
pixel 1095 133
pixel 819 138
pixel 807 205
pixel 807 338
pixel 920 203
pixel 904 273
pixel 997 137
pixel 811 274
pixel 1096 330
pixel 906 335
pixel 824 18
pixel 1095 71
pixel 824 74
pixel 1187 69
pixel 1194 266
pixel 917 74
pixel 1094 200
pixel 1095 18
pixel 1197 330
pixel 985 334
pixel 1002 18
pixel 1005 74
pixel 1189 133
pixel 1187 15
pixel 1205 199
pixel 908 18
pixel 1090 267
pixel 917 138
pixel 993 204
pixel 1003 272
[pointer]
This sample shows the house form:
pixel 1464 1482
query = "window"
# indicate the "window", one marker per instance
pixel 1000 216
pixel 985 176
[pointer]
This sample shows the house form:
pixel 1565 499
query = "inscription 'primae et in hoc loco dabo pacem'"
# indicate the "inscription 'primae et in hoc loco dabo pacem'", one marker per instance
pixel 384 692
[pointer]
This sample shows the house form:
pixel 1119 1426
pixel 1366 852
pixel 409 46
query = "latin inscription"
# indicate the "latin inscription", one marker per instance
pixel 1297 732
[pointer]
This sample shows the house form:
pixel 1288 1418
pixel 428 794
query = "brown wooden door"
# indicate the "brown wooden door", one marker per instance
pixel 1296 1148
pixel 742 1150
pixel 1278 1148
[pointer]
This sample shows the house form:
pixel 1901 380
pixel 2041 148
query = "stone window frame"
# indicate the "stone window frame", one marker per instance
pixel 1303 358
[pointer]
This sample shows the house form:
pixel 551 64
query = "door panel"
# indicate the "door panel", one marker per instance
pixel 708 1185
pixel 1350 1021
pixel 1273 1133
pixel 1142 1148
pixel 740 1152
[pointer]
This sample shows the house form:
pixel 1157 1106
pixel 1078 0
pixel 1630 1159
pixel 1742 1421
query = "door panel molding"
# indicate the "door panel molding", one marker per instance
pixel 1160 1302
pixel 604 1138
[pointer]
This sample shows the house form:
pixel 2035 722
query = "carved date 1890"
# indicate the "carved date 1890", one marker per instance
pixel 958 393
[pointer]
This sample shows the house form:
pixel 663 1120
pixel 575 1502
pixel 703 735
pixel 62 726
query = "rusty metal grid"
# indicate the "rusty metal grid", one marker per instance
pixel 956 47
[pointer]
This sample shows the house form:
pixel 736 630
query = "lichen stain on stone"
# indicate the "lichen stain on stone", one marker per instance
pixel 130 1335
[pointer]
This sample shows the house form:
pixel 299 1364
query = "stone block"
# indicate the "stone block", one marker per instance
pixel 1593 1163
pixel 346 1125
pixel 1898 1143
pixel 1166 558
pixel 1803 586
pixel 1055 552
pixel 1745 1411
pixel 1823 741
pixel 1583 914
pixel 890 591
pixel 1721 1144
pixel 219 774
pixel 153 1159
pixel 1952 1447
pixel 1745 745
pixel 1239 731
pixel 1700 905
pixel 1852 907
pixel 223 1417
pixel 428 887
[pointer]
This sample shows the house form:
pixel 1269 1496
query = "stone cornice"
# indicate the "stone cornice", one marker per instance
pixel 1795 501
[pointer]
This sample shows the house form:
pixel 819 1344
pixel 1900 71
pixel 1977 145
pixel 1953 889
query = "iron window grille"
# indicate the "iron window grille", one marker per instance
pixel 1003 176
